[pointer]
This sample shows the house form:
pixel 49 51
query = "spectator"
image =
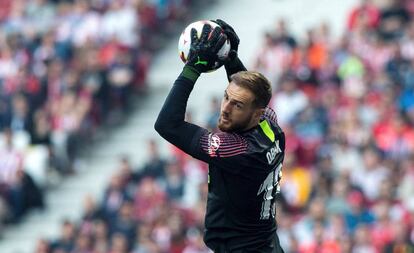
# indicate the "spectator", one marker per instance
pixel 393 21
pixel 21 119
pixel 405 189
pixel 401 239
pixel 83 244
pixel 40 134
pixel 362 241
pixel 372 174
pixel 155 166
pixel 289 100
pixel 337 202
pixel 282 34
pixel 196 243
pixel 381 234
pixel 119 244
pixel 397 66
pixel 394 136
pixel 358 215
pixel 345 106
pixel 366 14
pixel 174 180
pixel 120 22
pixel 144 240
pixel 148 200
pixel 120 78
pixel 125 224
pixel 272 57
pixel 101 236
pixel 113 198
pixel 91 213
pixel 11 177
pixel 308 230
pixel 66 242
pixel 42 246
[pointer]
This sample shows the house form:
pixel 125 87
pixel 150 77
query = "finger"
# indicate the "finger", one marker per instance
pixel 215 21
pixel 220 42
pixel 215 35
pixel 234 39
pixel 194 36
pixel 205 32
pixel 221 22
pixel 224 25
pixel 190 54
pixel 229 31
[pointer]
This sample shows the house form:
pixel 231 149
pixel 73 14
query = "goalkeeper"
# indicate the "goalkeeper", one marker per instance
pixel 245 157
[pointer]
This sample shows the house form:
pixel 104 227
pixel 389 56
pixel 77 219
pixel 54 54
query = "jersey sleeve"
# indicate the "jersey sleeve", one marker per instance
pixel 233 67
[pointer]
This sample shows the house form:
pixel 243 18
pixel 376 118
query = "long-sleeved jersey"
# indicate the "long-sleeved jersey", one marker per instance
pixel 244 172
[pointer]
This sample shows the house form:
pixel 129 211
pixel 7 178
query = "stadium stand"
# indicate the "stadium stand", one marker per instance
pixel 67 69
pixel 347 107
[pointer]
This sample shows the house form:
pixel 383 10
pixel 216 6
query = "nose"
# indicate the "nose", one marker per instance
pixel 226 107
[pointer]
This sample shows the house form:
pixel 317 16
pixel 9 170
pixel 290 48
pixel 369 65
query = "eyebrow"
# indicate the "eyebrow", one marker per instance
pixel 234 100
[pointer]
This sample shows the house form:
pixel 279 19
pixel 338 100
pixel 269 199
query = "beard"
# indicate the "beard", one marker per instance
pixel 229 125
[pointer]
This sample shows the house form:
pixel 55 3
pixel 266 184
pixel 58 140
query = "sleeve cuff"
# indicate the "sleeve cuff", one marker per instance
pixel 235 64
pixel 190 73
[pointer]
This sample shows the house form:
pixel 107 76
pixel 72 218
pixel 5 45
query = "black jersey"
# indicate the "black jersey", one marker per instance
pixel 244 172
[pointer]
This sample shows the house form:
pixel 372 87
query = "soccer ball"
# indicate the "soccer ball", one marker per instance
pixel 185 41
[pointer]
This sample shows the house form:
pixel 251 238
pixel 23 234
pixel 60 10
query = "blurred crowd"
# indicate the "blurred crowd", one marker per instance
pixel 67 68
pixel 347 108
pixel 156 207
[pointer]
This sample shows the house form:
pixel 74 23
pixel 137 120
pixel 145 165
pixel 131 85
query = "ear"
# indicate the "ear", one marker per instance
pixel 258 114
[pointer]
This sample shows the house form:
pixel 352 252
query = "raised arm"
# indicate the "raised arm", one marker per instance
pixel 170 123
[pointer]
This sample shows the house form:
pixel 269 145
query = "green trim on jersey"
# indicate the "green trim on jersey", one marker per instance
pixel 267 130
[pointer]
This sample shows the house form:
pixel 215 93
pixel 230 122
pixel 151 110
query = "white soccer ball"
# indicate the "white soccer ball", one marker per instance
pixel 185 41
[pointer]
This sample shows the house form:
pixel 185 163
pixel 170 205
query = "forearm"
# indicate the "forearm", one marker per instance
pixel 234 66
pixel 170 123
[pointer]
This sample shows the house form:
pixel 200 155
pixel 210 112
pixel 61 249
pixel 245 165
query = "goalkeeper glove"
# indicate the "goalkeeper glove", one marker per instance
pixel 232 63
pixel 203 50
pixel 232 36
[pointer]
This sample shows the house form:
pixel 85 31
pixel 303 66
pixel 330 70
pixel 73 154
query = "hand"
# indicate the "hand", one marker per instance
pixel 231 35
pixel 203 50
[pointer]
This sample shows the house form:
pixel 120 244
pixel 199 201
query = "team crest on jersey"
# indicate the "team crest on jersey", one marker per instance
pixel 213 143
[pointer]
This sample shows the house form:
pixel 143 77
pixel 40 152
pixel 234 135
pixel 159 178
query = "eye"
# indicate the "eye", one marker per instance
pixel 226 97
pixel 239 106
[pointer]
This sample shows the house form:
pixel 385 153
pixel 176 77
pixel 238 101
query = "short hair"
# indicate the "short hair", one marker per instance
pixel 257 84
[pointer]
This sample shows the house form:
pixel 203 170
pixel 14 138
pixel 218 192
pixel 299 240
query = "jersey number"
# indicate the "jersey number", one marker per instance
pixel 267 187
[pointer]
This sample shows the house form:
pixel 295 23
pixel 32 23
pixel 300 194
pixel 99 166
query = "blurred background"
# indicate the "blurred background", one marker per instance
pixel 82 81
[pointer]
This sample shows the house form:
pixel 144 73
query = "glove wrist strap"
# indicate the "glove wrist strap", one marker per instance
pixel 190 73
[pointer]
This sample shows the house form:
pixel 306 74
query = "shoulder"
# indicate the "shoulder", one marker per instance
pixel 269 125
pixel 271 117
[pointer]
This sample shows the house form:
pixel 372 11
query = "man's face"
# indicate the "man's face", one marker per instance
pixel 237 109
